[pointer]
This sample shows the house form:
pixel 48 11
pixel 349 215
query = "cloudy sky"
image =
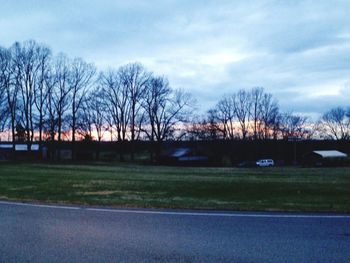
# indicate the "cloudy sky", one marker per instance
pixel 297 50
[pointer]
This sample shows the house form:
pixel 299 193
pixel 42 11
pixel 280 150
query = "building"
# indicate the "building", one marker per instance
pixel 183 156
pixel 21 151
pixel 325 158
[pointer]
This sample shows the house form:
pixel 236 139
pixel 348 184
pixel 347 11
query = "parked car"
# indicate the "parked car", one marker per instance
pixel 265 162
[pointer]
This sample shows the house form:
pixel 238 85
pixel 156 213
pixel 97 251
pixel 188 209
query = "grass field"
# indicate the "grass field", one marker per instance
pixel 291 189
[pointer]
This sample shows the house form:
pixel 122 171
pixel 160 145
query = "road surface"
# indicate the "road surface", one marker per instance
pixel 41 233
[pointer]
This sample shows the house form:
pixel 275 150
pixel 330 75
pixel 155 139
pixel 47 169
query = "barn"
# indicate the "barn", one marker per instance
pixel 325 158
pixel 183 156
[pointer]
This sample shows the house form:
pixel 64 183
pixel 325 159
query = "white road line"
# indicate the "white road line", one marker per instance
pixel 39 205
pixel 213 214
pixel 228 214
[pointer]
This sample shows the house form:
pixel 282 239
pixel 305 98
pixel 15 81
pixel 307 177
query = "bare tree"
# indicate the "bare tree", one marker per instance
pixel 196 131
pixel 117 105
pixel 80 79
pixel 61 92
pixel 41 89
pixel 246 112
pixel 226 116
pixel 156 99
pixel 335 124
pixel 293 125
pixel 27 65
pixel 5 77
pixel 165 108
pixel 85 121
pixel 269 116
pixel 212 125
pixel 8 83
pixel 256 110
pixel 205 128
pixel 98 108
pixel 51 121
pixel 135 78
pixel 233 112
pixel 3 110
pixel 117 98
pixel 242 108
pixel 275 125
pixel 93 114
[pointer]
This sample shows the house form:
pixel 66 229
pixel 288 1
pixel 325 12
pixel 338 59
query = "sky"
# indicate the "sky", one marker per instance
pixel 297 50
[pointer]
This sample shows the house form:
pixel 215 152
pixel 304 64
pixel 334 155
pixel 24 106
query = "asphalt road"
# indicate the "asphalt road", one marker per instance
pixel 30 233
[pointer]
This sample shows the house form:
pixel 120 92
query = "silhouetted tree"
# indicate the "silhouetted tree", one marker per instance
pixel 242 109
pixel 269 116
pixel 61 92
pixel 205 128
pixel 21 133
pixel 165 108
pixel 11 89
pixel 5 76
pixel 117 102
pixel 293 125
pixel 51 122
pixel 256 110
pixel 93 114
pixel 80 79
pixel 3 109
pixel 27 68
pixel 335 124
pixel 41 89
pixel 225 115
pixel 135 78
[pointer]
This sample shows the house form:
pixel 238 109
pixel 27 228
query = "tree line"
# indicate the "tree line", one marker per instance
pixel 255 115
pixel 47 97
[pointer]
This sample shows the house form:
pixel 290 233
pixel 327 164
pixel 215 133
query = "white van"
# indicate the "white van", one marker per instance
pixel 265 162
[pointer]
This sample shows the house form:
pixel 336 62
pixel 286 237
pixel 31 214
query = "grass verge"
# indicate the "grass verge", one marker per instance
pixel 287 188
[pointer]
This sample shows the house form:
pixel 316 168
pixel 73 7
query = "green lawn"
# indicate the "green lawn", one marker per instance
pixel 302 189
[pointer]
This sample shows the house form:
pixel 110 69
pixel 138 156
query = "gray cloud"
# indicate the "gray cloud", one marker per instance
pixel 297 50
